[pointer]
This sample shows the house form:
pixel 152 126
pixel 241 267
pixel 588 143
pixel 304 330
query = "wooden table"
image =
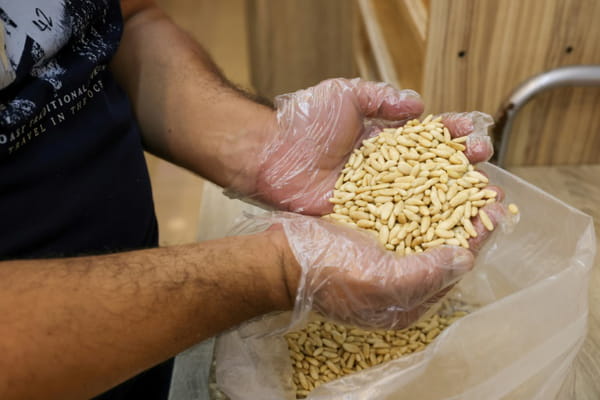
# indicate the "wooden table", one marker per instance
pixel 578 186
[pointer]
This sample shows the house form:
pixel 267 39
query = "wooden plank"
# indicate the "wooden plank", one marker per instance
pixel 366 65
pixel 479 51
pixel 578 186
pixel 417 13
pixel 398 44
pixel 296 44
pixel 386 67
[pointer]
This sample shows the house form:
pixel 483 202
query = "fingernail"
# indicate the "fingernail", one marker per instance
pixel 408 94
pixel 462 260
pixel 479 148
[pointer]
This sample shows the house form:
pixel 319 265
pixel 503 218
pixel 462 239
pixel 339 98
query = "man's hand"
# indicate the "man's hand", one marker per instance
pixel 347 275
pixel 317 129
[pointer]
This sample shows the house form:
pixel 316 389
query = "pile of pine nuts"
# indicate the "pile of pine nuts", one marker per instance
pixel 324 351
pixel 414 188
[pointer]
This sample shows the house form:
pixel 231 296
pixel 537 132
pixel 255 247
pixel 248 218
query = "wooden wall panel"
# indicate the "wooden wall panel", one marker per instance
pixel 364 57
pixel 396 31
pixel 478 51
pixel 295 44
pixel 560 127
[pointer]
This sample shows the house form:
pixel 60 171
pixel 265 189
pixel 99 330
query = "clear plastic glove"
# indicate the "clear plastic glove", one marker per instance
pixel 475 124
pixel 348 276
pixel 317 128
pixel 315 131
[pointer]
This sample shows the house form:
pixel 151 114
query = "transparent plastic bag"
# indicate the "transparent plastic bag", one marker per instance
pixel 529 296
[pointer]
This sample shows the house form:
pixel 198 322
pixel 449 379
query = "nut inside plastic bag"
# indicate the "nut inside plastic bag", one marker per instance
pixel 529 297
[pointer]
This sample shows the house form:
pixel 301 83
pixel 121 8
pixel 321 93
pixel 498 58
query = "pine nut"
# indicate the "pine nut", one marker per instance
pixel 485 220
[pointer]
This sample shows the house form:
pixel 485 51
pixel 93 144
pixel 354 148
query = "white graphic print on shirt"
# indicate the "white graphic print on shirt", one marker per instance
pixel 5 68
pixel 34 34
pixel 41 22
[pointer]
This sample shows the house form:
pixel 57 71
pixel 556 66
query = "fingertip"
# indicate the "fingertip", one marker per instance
pixel 421 276
pixel 381 100
pixel 401 106
pixel 499 192
pixel 462 260
pixel 466 123
pixel 459 124
pixel 475 124
pixel 496 213
pixel 454 259
pixel 479 148
pixel 450 264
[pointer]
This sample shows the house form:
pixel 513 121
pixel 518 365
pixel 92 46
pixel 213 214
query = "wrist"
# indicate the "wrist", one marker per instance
pixel 286 273
pixel 247 149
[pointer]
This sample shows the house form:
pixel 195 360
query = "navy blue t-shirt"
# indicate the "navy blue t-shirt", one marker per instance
pixel 73 178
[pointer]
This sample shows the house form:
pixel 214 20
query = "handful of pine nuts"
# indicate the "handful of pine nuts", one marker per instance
pixel 414 188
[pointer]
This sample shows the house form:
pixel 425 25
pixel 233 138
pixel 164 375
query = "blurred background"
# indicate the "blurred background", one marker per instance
pixel 458 54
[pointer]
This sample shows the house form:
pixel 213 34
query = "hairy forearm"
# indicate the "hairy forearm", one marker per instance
pixel 72 328
pixel 188 113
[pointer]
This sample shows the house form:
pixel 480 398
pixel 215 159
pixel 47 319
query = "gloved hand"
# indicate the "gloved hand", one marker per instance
pixel 348 276
pixel 317 129
pixel 314 133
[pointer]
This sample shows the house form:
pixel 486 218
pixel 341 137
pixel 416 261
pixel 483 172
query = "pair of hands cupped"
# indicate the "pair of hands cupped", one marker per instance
pixel 346 274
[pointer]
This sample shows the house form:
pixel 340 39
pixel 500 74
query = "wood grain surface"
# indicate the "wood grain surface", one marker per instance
pixel 476 52
pixel 559 127
pixel 295 44
pixel 396 31
pixel 378 45
pixel 364 57
pixel 418 14
pixel 504 43
pixel 578 186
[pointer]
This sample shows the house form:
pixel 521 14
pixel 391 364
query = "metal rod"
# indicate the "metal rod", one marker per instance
pixel 576 75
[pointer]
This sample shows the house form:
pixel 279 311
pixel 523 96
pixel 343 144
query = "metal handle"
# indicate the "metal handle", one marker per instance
pixel 576 75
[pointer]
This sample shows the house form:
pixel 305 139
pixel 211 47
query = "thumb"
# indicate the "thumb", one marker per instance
pixel 381 100
pixel 421 276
